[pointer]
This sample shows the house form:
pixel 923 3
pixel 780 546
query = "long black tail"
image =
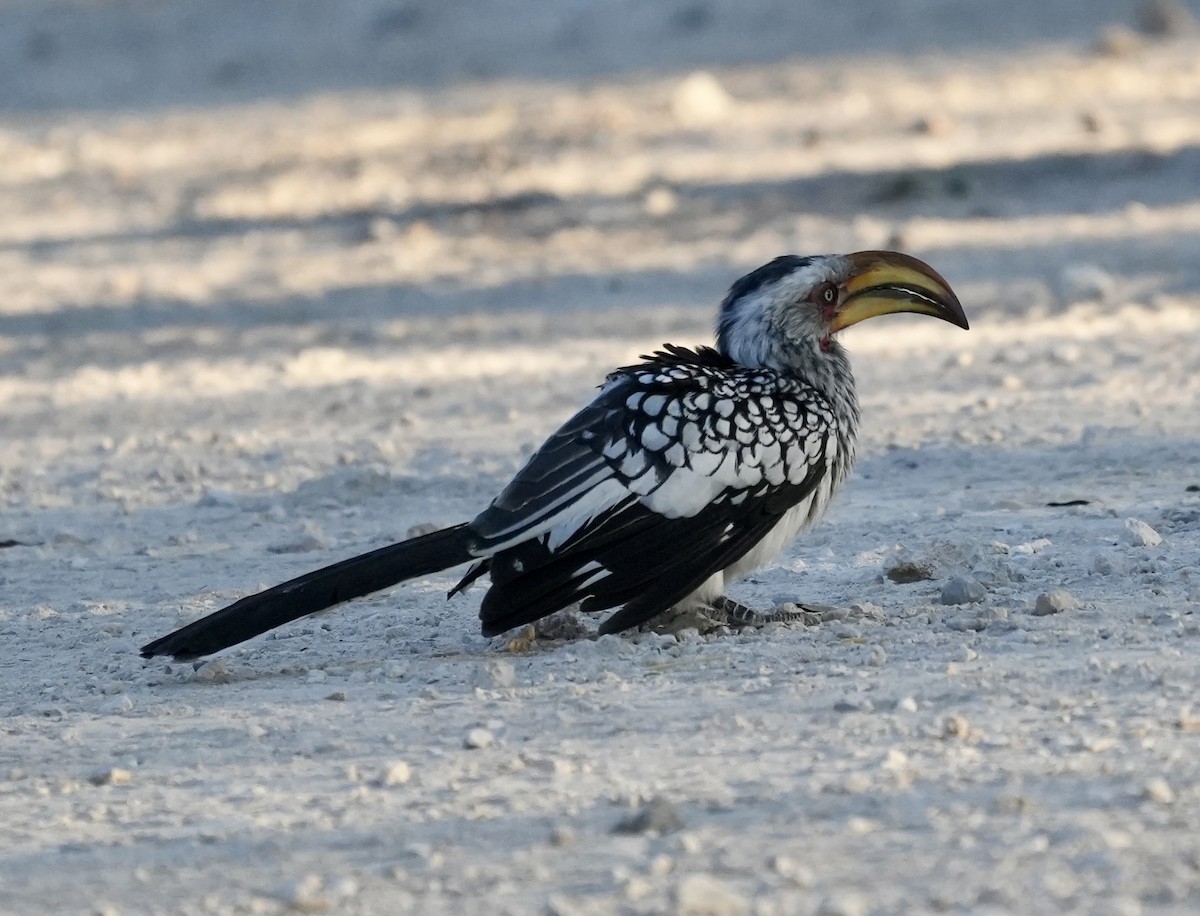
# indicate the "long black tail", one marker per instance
pixel 316 591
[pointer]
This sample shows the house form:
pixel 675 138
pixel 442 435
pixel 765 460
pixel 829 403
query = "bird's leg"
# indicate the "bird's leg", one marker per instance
pixel 733 614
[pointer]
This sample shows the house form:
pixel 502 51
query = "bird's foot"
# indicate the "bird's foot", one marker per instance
pixel 727 612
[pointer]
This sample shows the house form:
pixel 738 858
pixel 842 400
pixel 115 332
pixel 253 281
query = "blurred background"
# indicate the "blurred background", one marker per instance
pixel 285 280
pixel 208 201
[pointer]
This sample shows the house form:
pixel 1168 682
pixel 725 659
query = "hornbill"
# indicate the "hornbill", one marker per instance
pixel 686 471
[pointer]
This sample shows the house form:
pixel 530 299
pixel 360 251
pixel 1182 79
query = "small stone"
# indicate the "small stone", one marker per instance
pixel 657 816
pixel 935 125
pixel 877 657
pixel 956 726
pixel 397 774
pixel 660 201
pixel 704 895
pixel 700 100
pixel 338 696
pixel 908 704
pixel 903 572
pixel 1139 534
pixel 962 590
pixel 111 777
pixel 214 672
pixel 1158 791
pixel 562 835
pixel 1055 601
pixel 479 738
pixel 661 865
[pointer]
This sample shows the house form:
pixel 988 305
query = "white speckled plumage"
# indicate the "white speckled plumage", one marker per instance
pixel 685 472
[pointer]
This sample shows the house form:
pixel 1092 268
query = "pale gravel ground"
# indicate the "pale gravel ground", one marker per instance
pixel 266 310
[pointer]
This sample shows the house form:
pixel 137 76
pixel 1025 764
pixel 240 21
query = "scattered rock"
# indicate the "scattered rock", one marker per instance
pixel 478 738
pixel 962 590
pixel 700 100
pixel 111 777
pixel 213 672
pixel 956 726
pixel 397 774
pixel 1139 534
pixel 1092 121
pixel 1158 791
pixel 935 125
pixel 904 572
pixel 657 816
pixel 704 895
pixel 1055 601
pixel 562 835
pixel 853 705
pixel 660 201
pixel 338 696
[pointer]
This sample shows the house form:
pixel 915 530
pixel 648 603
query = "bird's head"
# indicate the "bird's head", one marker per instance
pixel 788 310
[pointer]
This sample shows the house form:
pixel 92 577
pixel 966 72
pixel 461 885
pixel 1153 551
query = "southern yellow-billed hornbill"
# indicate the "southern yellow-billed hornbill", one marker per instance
pixel 685 472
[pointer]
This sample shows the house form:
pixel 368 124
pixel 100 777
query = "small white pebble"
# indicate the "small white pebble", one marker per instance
pixel 214 672
pixel 704 895
pixel 397 774
pixel 700 100
pixel 111 777
pixel 1158 791
pixel 1055 601
pixel 479 738
pixel 1139 534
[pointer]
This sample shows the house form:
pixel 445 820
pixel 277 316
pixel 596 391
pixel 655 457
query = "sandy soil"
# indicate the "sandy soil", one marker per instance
pixel 276 290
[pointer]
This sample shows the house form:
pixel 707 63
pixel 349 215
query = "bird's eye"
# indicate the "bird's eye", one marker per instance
pixel 826 294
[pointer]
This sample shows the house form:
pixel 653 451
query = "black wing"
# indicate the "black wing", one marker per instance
pixel 677 469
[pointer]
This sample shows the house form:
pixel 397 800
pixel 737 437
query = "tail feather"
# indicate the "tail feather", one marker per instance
pixel 316 591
